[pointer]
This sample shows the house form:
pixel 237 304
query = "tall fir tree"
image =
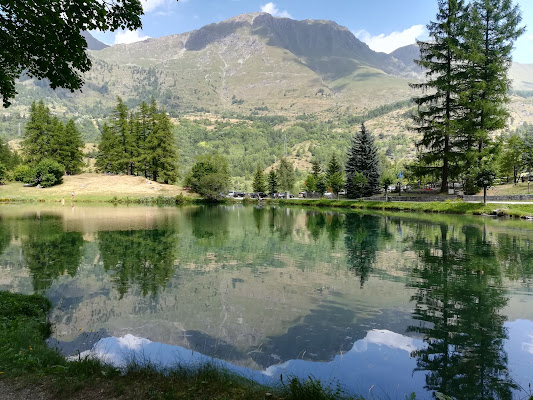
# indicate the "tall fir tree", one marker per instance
pixel 259 184
pixel 439 106
pixel 272 182
pixel 363 159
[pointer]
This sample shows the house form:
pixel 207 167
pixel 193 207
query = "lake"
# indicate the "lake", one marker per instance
pixel 382 304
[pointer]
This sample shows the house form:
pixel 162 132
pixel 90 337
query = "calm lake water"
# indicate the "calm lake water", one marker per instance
pixel 385 305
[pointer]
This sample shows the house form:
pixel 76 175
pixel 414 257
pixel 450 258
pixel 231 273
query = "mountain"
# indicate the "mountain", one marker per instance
pixel 252 63
pixel 407 55
pixel 92 43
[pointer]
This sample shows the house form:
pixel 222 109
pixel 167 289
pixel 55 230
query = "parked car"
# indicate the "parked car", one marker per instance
pixel 231 193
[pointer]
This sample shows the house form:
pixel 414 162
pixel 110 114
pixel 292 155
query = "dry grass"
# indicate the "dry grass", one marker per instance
pixel 90 186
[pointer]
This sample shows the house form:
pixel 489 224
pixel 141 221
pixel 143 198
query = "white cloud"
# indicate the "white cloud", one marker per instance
pixel 129 37
pixel 151 5
pixel 389 43
pixel 273 10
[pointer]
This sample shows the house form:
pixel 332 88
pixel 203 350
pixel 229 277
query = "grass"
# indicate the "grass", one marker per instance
pixel 444 207
pixel 89 187
pixel 26 363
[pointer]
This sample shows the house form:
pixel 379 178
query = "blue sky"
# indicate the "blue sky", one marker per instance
pixel 383 24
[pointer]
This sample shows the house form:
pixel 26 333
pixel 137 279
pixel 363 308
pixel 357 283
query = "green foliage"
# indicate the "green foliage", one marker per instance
pixel 70 154
pixel 334 176
pixel 45 137
pixel 48 173
pixel 259 184
pixel 510 162
pixel 58 55
pixel 10 159
pixel 209 175
pixel 286 176
pixel 362 159
pixel 3 173
pixel 24 173
pixel 139 143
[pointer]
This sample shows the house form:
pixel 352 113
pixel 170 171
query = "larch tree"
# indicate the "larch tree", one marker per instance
pixel 440 106
pixel 161 152
pixel 286 176
pixel 489 38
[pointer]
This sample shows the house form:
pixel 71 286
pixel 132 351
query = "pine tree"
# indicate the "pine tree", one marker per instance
pixel 334 176
pixel 259 184
pixel 286 177
pixel 362 158
pixel 161 153
pixel 272 182
pixel 439 107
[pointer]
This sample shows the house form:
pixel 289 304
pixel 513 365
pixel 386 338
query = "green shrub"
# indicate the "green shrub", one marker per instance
pixel 49 173
pixel 24 173
pixel 3 173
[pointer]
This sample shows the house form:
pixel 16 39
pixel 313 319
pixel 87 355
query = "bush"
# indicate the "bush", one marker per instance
pixel 3 173
pixel 49 173
pixel 24 173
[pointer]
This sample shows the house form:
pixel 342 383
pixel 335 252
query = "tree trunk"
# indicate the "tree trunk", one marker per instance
pixel 484 195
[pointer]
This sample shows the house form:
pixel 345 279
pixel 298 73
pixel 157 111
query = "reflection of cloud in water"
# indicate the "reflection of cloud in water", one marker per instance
pixel 380 353
pixel 519 350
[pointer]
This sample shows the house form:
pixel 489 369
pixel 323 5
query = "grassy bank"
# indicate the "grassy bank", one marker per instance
pixel 445 207
pixel 27 365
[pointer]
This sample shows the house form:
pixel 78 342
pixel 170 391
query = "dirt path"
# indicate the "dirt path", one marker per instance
pixel 14 391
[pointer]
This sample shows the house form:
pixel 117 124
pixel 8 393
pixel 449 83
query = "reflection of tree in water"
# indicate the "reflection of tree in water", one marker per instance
pixel 331 222
pixel 334 226
pixel 49 252
pixel 5 235
pixel 281 221
pixel 458 301
pixel 363 234
pixel 259 217
pixel 145 258
pixel 210 223
pixel 516 256
pixel 315 223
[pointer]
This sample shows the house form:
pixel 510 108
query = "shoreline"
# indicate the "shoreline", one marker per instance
pixel 454 207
